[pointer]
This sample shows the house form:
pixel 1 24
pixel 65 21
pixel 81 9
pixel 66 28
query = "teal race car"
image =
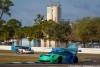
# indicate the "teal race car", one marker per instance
pixel 60 55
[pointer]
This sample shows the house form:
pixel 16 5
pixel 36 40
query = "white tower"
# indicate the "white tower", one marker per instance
pixel 54 12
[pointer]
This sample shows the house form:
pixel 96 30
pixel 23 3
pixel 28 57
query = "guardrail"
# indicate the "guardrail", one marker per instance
pixel 5 47
pixel 48 49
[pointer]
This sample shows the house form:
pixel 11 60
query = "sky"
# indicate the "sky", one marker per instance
pixel 27 10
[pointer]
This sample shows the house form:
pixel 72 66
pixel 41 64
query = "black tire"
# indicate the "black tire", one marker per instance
pixel 21 52
pixel 75 59
pixel 59 60
pixel 17 52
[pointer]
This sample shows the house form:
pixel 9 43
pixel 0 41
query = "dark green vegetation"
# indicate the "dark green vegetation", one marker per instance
pixel 87 30
pixel 5 7
pixel 84 30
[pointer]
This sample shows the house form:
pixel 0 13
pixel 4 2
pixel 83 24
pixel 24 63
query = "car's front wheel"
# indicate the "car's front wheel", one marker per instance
pixel 17 52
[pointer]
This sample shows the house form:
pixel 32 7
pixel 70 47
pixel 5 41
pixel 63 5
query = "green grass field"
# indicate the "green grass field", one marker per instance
pixel 7 58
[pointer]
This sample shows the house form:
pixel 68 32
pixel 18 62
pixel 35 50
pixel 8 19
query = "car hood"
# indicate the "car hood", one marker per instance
pixel 47 55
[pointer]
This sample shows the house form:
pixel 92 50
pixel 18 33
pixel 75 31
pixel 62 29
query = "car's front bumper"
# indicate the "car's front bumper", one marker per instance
pixel 47 61
pixel 28 52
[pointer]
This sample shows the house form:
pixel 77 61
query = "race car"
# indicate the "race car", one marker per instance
pixel 24 50
pixel 60 55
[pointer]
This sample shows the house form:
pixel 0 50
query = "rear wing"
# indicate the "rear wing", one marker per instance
pixel 73 47
pixel 72 50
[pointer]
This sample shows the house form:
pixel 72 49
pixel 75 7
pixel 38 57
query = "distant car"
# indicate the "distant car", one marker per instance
pixel 60 55
pixel 24 50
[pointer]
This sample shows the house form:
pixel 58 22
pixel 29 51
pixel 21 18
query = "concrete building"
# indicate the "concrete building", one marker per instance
pixel 54 12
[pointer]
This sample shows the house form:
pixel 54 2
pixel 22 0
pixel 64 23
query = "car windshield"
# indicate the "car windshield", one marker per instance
pixel 24 47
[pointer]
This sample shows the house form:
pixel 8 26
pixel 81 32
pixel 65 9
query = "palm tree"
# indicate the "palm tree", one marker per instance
pixel 18 35
pixel 25 31
pixel 5 36
pixel 30 39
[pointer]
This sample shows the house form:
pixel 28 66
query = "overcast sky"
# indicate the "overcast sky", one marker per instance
pixel 27 10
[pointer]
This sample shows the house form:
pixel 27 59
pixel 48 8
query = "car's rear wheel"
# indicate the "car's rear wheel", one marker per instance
pixel 59 59
pixel 75 59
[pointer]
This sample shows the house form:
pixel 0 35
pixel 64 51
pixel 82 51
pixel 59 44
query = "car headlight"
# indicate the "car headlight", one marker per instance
pixel 40 55
pixel 53 56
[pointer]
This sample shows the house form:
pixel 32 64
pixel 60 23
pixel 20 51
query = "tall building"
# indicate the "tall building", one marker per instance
pixel 54 12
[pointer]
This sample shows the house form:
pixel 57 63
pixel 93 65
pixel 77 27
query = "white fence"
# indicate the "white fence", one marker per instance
pixel 5 47
pixel 48 49
pixel 90 50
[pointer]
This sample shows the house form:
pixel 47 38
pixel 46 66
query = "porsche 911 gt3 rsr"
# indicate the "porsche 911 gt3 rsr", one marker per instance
pixel 60 55
pixel 24 50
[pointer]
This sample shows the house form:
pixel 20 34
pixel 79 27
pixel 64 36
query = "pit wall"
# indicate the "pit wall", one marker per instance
pixel 48 49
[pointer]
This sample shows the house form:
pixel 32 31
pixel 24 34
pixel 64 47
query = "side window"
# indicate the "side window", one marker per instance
pixel 67 53
pixel 63 53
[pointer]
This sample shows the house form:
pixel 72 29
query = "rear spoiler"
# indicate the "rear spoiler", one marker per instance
pixel 73 50
pixel 73 47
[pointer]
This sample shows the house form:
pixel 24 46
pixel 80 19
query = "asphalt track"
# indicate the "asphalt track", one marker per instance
pixel 80 64
pixel 52 65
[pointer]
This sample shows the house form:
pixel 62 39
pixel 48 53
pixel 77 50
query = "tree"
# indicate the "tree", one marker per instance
pixel 18 35
pixel 3 30
pixel 26 31
pixel 39 19
pixel 2 22
pixel 47 28
pixel 86 30
pixel 5 7
pixel 60 32
pixel 15 29
pixel 30 39
pixel 37 33
pixel 14 23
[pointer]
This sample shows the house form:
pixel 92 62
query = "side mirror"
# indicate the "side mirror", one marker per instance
pixel 79 50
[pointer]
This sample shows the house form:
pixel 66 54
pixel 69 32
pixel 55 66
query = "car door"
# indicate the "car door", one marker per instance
pixel 67 56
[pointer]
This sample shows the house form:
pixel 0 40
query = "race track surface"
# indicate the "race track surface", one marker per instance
pixel 52 65
pixel 80 64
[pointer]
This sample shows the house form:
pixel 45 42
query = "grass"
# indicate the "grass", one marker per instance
pixel 6 51
pixel 7 58
pixel 88 56
pixel 83 54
